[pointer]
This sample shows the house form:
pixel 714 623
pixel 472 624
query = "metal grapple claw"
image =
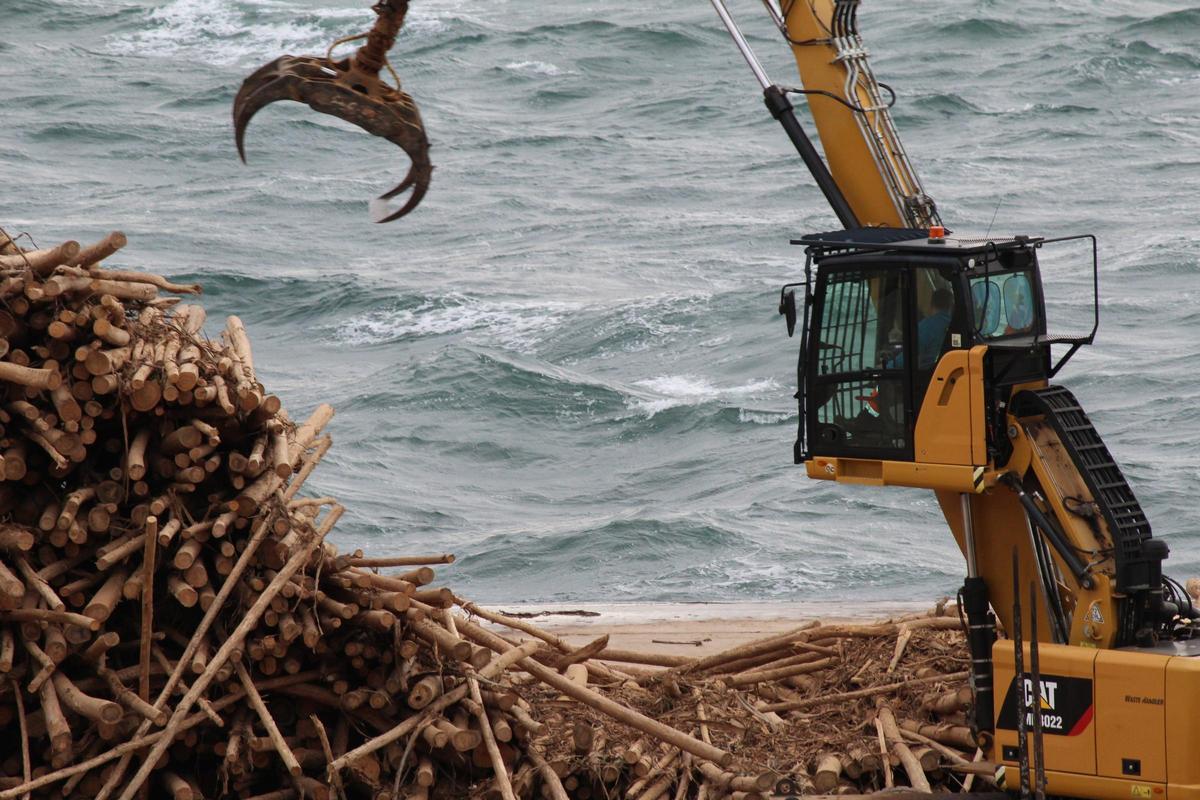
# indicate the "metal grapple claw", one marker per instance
pixel 351 90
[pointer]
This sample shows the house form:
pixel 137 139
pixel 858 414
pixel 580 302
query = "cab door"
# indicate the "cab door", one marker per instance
pixel 858 384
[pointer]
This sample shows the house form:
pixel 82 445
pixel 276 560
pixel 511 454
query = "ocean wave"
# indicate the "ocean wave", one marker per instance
pixel 222 33
pixel 944 103
pixel 543 68
pixel 1184 21
pixel 631 326
pixel 651 37
pixel 625 550
pixel 78 132
pixel 1134 63
pixel 765 417
pixel 688 559
pixel 219 33
pixel 502 384
pixel 212 96
pixel 515 325
pixel 670 391
pixel 979 28
pixel 70 15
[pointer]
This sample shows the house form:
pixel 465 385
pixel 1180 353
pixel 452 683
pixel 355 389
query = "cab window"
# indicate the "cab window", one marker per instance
pixel 857 399
pixel 1004 305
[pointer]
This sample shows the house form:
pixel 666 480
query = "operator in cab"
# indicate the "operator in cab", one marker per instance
pixel 931 331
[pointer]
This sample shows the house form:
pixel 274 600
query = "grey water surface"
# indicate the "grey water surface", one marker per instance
pixel 566 366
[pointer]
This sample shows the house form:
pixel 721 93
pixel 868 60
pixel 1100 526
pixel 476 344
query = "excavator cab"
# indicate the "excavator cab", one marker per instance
pixel 882 308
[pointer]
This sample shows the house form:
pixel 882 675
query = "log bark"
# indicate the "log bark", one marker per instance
pixel 402 561
pixel 959 736
pixel 796 705
pixel 760 676
pixel 99 251
pixel 767 645
pixel 268 721
pixel 139 743
pixel 42 379
pixel 600 671
pixel 41 261
pixel 550 780
pixel 947 703
pixel 150 553
pixel 827 771
pixel 912 766
pixel 453 696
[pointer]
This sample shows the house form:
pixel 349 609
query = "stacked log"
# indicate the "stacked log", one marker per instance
pixel 173 620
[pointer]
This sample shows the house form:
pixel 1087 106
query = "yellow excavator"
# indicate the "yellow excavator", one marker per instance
pixel 926 360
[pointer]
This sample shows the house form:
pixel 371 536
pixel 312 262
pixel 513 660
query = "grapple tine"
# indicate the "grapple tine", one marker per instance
pixel 408 181
pixel 350 90
pixel 420 186
pixel 260 89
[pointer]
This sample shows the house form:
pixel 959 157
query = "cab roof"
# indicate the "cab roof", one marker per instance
pixel 907 240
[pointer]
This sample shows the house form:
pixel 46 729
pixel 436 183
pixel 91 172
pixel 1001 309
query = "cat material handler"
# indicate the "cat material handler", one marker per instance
pixel 927 360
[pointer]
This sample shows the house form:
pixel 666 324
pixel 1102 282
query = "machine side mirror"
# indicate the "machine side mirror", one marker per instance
pixel 787 308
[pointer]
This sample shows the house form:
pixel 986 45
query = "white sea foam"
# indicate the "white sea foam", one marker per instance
pixel 222 33
pixel 763 417
pixel 536 68
pixel 515 326
pixel 670 391
pixel 216 32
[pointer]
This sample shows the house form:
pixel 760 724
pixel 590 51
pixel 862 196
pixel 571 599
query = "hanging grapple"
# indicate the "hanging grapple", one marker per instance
pixel 349 89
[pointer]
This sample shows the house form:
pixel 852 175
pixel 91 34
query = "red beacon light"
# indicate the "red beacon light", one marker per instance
pixel 937 234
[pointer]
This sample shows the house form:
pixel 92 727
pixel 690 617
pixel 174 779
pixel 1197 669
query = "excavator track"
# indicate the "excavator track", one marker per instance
pixel 1137 569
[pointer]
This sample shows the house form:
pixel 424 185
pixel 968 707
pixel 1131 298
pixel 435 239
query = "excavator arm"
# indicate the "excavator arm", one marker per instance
pixel 865 172
pixel 851 110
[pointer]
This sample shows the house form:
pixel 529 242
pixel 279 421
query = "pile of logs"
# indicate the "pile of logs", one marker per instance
pixel 821 709
pixel 173 622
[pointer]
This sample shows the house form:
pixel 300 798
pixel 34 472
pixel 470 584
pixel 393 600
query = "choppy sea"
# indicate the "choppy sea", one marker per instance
pixel 566 367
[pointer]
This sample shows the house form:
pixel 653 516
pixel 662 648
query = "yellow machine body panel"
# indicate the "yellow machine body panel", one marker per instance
pixel 1130 692
pixel 1067 701
pixel 946 433
pixel 1183 727
pixel 1117 724
pixel 871 472
pixel 1095 624
pixel 951 459
pixel 1000 524
pixel 950 427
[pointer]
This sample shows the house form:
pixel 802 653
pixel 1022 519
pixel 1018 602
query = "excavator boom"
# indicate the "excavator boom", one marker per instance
pixel 865 173
pixel 851 110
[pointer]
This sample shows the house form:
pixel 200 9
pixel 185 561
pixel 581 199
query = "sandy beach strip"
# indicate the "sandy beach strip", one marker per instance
pixel 693 629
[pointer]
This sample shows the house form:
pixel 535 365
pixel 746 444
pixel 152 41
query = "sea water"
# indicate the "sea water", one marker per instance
pixel 566 367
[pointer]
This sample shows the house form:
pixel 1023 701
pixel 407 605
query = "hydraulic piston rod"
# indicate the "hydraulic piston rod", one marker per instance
pixel 781 108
